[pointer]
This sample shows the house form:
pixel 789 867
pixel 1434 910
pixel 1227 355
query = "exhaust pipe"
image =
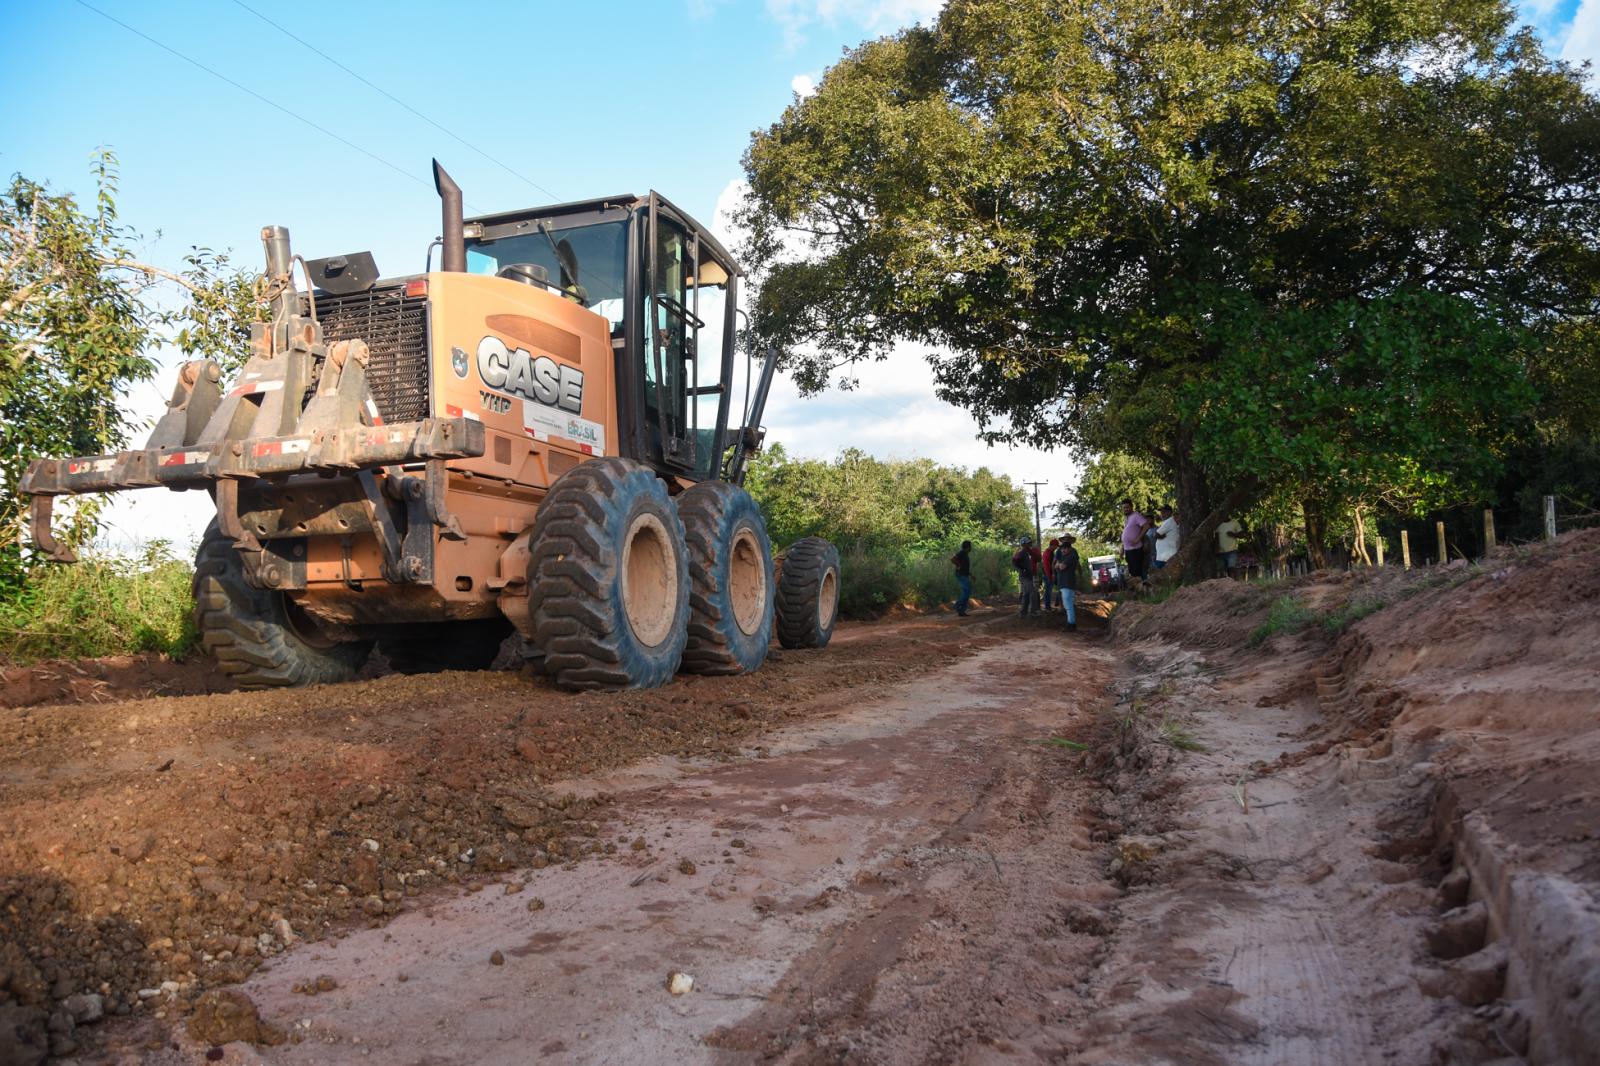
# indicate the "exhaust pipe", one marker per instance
pixel 453 250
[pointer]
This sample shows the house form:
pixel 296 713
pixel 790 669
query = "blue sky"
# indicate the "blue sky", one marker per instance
pixel 576 100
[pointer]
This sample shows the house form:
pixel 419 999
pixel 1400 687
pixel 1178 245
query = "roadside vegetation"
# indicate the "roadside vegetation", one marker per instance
pixel 103 605
pixel 897 522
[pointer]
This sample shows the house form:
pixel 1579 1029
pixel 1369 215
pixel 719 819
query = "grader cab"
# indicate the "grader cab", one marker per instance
pixel 543 434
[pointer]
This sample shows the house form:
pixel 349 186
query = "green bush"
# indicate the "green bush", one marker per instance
pixel 101 606
pixel 878 579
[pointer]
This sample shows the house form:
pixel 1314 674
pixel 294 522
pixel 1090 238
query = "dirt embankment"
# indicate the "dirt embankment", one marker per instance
pixel 1463 704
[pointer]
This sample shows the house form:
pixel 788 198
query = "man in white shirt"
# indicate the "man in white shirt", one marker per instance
pixel 1166 537
pixel 1228 534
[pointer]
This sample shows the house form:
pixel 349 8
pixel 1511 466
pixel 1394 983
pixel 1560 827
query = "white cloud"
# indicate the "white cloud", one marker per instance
pixel 893 412
pixel 1582 42
pixel 803 85
pixel 875 16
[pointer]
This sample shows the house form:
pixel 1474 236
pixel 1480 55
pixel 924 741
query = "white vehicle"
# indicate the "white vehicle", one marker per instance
pixel 1106 572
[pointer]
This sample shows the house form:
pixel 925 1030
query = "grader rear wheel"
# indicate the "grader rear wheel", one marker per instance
pixel 608 581
pixel 808 594
pixel 730 598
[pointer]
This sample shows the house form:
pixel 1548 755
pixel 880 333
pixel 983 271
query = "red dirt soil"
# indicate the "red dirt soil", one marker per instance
pixel 940 840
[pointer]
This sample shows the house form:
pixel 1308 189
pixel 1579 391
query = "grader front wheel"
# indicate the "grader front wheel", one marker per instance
pixel 262 638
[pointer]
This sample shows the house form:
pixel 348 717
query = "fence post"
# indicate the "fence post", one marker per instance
pixel 1405 549
pixel 1444 551
pixel 1488 531
pixel 1379 541
pixel 1549 518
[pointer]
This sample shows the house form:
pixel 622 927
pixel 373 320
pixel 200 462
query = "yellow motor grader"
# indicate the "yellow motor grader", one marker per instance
pixel 542 435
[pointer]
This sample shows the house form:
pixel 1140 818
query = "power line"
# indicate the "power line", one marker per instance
pixel 390 96
pixel 245 89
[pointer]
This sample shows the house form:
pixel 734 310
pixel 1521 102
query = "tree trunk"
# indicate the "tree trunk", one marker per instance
pixel 1194 507
pixel 1197 556
pixel 1361 536
pixel 1316 535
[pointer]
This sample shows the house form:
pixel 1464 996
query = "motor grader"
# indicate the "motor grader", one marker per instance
pixel 540 435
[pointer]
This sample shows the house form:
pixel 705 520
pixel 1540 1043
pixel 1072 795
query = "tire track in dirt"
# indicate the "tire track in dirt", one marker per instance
pixel 837 871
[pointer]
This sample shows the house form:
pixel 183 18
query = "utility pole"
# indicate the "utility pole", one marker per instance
pixel 1038 533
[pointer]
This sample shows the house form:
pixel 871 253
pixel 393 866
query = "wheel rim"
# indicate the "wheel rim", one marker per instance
pixel 747 581
pixel 649 580
pixel 827 598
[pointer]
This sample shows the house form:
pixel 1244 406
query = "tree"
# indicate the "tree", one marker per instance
pixel 1101 218
pixel 1095 506
pixel 78 318
pixel 906 507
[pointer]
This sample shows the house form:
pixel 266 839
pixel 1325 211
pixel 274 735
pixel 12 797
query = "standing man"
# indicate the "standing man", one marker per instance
pixel 1047 574
pixel 962 561
pixel 1066 563
pixel 1228 534
pixel 1133 531
pixel 1167 537
pixel 1026 560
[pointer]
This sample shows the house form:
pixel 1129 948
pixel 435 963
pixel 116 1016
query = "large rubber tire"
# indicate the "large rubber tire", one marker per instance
pixel 436 646
pixel 258 637
pixel 808 594
pixel 730 580
pixel 608 581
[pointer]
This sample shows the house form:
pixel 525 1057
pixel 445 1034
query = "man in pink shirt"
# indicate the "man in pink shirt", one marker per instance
pixel 1133 549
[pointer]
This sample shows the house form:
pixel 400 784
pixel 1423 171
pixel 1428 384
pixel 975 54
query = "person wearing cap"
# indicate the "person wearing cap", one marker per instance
pixel 1026 560
pixel 1066 566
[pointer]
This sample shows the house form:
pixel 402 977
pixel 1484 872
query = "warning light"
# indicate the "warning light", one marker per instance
pixel 416 287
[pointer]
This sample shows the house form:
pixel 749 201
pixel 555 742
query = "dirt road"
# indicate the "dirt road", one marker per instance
pixel 937 841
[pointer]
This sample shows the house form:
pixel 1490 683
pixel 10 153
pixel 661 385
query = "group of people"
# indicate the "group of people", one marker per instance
pixel 1053 571
pixel 1148 543
pixel 1151 543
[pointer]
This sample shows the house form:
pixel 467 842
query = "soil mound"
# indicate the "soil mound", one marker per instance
pixel 1482 680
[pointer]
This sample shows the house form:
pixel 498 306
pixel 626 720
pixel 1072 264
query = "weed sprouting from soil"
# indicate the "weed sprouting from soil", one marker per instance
pixel 1288 615
pixel 1063 742
pixel 1176 735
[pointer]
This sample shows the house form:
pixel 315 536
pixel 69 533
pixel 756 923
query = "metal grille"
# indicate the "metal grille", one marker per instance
pixel 396 331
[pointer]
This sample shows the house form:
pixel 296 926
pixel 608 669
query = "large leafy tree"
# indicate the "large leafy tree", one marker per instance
pixel 1235 238
pixel 79 316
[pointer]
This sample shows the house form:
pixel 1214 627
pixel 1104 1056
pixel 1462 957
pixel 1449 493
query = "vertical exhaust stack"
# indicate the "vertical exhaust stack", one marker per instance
pixel 453 253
